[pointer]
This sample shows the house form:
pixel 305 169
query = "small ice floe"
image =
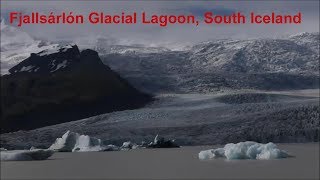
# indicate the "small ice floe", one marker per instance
pixel 74 142
pixel 245 150
pixel 3 149
pixel 160 142
pixel 129 145
pixel 26 155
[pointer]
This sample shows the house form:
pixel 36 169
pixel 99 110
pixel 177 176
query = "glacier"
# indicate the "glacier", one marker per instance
pixel 74 142
pixel 245 150
pixel 26 155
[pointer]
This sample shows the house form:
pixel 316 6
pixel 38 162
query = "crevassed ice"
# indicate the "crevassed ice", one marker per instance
pixel 26 155
pixel 74 142
pixel 245 150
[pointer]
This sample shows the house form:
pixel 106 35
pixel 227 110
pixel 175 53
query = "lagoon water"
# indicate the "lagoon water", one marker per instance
pixel 176 163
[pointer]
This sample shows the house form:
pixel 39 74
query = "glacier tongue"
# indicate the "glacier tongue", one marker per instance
pixel 245 150
pixel 74 142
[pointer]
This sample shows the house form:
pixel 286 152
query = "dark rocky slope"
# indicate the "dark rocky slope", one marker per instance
pixel 61 85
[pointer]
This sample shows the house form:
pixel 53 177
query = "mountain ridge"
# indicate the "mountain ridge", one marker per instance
pixel 37 94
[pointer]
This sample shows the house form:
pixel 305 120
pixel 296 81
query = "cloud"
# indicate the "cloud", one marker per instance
pixel 220 10
pixel 153 34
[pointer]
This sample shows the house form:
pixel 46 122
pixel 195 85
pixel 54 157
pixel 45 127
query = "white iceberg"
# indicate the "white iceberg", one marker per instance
pixel 26 155
pixel 74 142
pixel 130 145
pixel 245 150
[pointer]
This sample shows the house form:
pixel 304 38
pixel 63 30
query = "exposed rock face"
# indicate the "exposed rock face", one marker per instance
pixel 62 84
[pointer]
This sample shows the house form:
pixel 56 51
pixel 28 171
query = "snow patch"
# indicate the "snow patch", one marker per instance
pixel 17 45
pixel 61 65
pixel 69 46
pixel 55 49
pixel 74 142
pixel 26 68
pixel 245 150
pixel 46 52
pixel 26 155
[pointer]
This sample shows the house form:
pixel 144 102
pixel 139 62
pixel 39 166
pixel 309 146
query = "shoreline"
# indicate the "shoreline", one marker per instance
pixel 173 163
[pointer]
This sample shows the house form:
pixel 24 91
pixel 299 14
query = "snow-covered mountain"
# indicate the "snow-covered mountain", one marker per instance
pixel 257 56
pixel 49 60
pixel 110 45
pixel 310 40
pixel 291 62
pixel 296 54
pixel 17 45
pixel 66 83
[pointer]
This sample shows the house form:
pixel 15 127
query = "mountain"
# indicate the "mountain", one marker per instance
pixel 255 56
pixel 310 40
pixel 266 64
pixel 17 45
pixel 62 84
pixel 218 65
pixel 109 45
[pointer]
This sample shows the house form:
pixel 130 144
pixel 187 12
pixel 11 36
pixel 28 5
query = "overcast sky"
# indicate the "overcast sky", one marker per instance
pixel 172 34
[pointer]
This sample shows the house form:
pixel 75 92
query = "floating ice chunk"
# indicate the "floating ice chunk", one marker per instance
pixel 66 143
pixel 86 143
pixel 207 154
pixel 3 149
pixel 111 147
pixel 26 155
pixel 130 145
pixel 161 142
pixel 245 150
pixel 74 142
pixel 211 153
pixel 127 145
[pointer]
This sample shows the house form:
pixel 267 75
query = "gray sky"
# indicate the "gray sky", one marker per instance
pixel 152 34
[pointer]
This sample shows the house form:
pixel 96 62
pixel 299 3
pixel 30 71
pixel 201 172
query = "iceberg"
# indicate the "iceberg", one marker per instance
pixel 245 150
pixel 26 155
pixel 161 142
pixel 74 142
pixel 129 145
